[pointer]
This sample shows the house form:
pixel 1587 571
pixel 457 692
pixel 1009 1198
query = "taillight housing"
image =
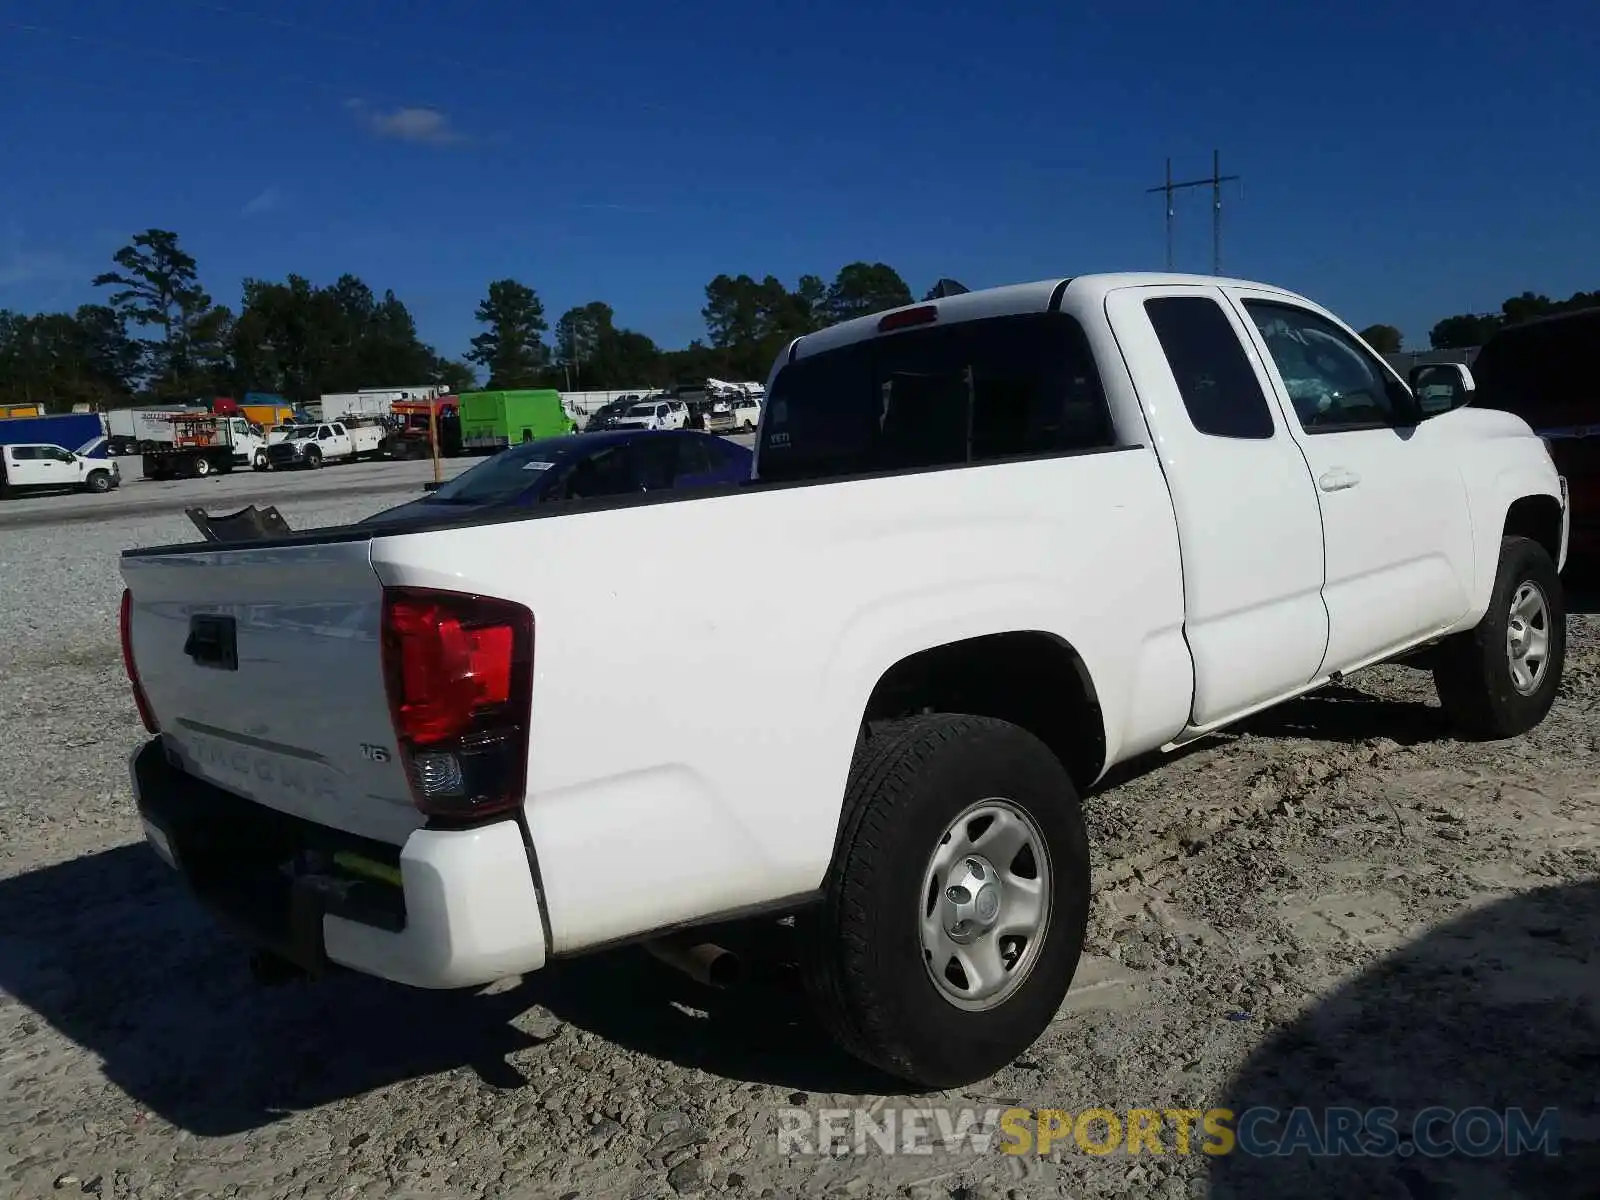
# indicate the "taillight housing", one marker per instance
pixel 125 631
pixel 458 670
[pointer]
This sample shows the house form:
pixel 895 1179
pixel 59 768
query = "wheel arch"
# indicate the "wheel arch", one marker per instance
pixel 1031 678
pixel 1538 518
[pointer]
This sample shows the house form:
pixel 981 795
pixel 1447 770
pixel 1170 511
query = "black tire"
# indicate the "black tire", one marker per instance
pixel 201 467
pixel 865 966
pixel 259 462
pixel 1473 671
pixel 313 458
pixel 99 482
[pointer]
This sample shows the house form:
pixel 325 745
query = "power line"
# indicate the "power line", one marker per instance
pixel 1216 179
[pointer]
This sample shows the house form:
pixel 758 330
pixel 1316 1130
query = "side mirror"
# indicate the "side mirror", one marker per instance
pixel 1441 387
pixel 432 485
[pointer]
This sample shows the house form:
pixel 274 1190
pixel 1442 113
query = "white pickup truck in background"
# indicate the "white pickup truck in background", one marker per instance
pixel 43 467
pixel 994 544
pixel 311 446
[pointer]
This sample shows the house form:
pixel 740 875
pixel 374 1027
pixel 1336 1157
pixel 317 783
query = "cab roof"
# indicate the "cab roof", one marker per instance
pixel 1042 295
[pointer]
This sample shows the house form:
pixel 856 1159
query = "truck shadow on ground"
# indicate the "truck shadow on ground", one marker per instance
pixel 111 951
pixel 1497 1010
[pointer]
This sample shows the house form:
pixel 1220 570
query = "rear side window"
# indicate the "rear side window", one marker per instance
pixel 969 392
pixel 1219 388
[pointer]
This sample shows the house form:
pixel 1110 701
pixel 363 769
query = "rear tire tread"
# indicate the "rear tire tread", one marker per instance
pixel 839 956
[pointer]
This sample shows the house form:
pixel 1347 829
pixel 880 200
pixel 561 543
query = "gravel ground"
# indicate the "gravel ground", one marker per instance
pixel 1336 904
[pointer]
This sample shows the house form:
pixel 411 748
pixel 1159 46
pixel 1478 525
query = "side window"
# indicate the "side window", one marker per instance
pixel 1332 382
pixel 655 463
pixel 1219 387
pixel 60 455
pixel 24 453
pixel 694 458
pixel 605 473
pixel 324 433
pixel 661 410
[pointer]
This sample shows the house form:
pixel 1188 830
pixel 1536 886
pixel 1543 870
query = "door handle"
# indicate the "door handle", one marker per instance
pixel 1337 480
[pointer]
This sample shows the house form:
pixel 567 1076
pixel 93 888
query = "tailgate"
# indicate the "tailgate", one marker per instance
pixel 278 695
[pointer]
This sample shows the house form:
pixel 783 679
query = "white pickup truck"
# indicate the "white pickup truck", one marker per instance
pixel 311 446
pixel 44 466
pixel 993 544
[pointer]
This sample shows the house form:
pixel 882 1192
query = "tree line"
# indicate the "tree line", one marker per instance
pixel 1465 330
pixel 159 335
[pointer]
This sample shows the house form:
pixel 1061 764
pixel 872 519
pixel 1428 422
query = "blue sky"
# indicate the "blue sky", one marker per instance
pixel 1400 162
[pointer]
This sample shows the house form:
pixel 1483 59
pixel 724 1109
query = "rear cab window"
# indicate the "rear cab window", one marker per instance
pixel 967 392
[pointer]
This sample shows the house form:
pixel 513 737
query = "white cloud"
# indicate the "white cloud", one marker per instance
pixel 264 202
pixel 428 126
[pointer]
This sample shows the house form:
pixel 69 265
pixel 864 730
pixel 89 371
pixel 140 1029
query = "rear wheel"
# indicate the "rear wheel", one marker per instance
pixel 202 467
pixel 1499 679
pixel 955 910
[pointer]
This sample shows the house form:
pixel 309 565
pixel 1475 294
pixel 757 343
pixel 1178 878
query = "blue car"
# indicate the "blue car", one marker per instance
pixel 583 466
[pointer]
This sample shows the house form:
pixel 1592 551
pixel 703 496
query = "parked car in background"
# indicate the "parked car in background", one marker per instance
pixel 313 445
pixel 607 415
pixel 582 466
pixel 1547 372
pixel 44 468
pixel 738 415
pixel 654 414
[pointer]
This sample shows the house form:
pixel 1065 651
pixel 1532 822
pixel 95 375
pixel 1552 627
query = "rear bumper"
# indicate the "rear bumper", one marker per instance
pixel 466 911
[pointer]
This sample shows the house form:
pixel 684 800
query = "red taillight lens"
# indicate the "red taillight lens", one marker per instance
pixel 458 670
pixel 125 630
pixel 924 315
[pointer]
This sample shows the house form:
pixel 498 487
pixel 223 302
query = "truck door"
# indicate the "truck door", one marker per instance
pixel 1249 532
pixel 1395 522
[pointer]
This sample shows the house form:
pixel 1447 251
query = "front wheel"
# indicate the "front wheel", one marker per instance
pixel 313 458
pixel 1499 679
pixel 99 481
pixel 954 914
pixel 259 462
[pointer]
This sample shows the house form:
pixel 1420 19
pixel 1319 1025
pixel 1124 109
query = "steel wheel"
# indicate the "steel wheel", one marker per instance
pixel 985 907
pixel 1528 637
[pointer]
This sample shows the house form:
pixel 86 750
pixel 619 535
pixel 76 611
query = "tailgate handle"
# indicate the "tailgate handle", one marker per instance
pixel 213 641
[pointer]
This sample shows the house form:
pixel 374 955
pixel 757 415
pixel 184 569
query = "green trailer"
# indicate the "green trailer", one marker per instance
pixel 491 421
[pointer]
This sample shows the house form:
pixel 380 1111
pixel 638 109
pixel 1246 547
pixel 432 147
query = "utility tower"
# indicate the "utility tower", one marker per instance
pixel 1216 179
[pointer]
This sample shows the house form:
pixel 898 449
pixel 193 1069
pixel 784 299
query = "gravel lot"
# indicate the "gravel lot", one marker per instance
pixel 1335 904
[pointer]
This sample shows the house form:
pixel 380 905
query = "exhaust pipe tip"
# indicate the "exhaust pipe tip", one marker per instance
pixel 705 962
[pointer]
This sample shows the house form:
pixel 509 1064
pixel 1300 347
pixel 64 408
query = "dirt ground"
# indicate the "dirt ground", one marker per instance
pixel 1335 905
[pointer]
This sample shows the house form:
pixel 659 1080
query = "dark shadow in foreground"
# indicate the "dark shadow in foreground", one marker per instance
pixel 1498 1010
pixel 113 951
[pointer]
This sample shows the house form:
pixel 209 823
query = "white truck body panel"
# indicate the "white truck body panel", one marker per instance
pixel 1197 577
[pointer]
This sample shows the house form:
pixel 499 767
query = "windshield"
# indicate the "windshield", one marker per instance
pixel 938 396
pixel 504 477
pixel 301 433
pixel 642 410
